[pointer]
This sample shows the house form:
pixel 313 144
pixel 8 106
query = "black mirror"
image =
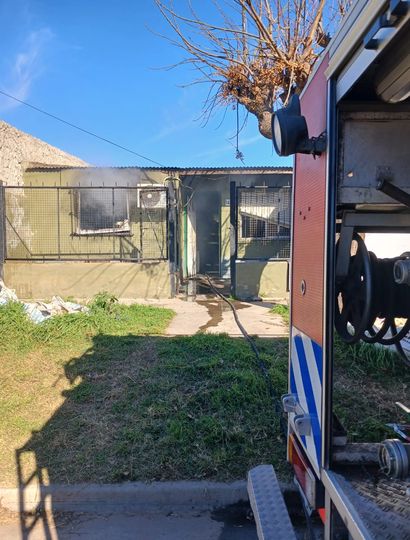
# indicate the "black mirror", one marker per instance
pixel 290 133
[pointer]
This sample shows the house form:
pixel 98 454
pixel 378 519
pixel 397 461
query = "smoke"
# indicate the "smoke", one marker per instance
pixel 104 203
pixel 101 207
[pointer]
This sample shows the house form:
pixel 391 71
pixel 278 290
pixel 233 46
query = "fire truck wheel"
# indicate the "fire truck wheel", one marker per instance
pixel 354 296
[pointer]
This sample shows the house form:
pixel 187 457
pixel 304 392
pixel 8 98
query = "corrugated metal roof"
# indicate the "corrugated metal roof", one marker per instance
pixel 182 170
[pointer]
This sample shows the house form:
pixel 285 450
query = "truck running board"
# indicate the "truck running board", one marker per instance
pixel 268 506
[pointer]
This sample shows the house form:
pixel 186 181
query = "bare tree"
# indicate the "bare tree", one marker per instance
pixel 253 52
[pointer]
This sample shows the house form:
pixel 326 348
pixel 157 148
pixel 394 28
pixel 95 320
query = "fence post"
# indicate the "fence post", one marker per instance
pixel 58 224
pixel 141 254
pixel 171 235
pixel 233 237
pixel 2 224
pixel 113 223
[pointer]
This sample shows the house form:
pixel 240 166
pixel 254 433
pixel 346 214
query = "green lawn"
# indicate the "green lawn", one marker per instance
pixel 105 397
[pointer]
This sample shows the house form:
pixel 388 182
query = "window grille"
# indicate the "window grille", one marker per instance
pixel 102 212
pixel 264 223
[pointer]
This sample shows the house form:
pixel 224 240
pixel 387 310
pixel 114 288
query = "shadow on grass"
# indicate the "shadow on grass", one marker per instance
pixel 155 408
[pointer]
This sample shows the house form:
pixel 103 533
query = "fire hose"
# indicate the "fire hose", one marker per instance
pixel 374 290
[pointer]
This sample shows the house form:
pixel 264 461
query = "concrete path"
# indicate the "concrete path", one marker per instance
pixel 133 526
pixel 212 315
pixel 195 510
pixel 133 510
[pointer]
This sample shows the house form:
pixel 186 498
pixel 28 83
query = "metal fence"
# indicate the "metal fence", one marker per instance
pixel 85 223
pixel 263 222
pixel 2 226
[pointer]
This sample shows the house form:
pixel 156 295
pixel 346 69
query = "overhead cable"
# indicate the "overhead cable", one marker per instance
pixel 80 128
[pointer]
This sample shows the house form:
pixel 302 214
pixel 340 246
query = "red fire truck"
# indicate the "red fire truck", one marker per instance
pixel 350 133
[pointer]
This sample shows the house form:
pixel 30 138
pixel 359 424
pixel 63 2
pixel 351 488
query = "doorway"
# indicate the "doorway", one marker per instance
pixel 208 226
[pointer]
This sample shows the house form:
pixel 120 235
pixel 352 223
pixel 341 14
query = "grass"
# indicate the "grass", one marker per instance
pixel 283 311
pixel 18 334
pixel 368 380
pixel 93 397
pixel 104 397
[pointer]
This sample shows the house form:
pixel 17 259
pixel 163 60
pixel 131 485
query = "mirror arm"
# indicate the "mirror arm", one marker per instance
pixel 315 145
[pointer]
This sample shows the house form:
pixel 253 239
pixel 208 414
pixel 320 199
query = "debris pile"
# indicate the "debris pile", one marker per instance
pixel 41 311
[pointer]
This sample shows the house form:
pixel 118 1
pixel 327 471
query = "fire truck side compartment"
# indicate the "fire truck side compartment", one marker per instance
pixel 372 146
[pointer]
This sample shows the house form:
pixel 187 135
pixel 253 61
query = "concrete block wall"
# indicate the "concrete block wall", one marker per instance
pixel 19 149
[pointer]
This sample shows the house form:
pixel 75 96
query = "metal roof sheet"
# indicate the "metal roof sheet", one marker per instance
pixel 182 170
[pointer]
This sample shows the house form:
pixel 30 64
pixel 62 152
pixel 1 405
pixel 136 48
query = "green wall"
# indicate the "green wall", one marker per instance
pixel 258 249
pixel 262 279
pixel 32 233
pixel 33 214
pixel 42 280
pixel 35 228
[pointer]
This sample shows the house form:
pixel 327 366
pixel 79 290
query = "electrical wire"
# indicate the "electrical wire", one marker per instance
pixel 42 111
pixel 206 280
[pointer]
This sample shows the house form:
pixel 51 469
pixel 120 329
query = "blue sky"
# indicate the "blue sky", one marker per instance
pixel 95 64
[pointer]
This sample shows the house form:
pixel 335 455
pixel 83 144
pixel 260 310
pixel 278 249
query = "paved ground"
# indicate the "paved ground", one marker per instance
pixel 212 315
pixel 232 523
pixel 126 526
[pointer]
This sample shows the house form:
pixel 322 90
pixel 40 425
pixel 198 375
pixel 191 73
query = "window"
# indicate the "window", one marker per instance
pixel 258 228
pixel 103 211
pixel 264 213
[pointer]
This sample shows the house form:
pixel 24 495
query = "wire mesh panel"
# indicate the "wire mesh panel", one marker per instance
pixel 263 223
pixel 86 223
pixel 154 223
pixel 2 225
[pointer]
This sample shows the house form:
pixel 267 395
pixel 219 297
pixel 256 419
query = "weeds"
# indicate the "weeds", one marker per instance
pixel 368 380
pixel 21 335
pixel 104 301
pixel 283 311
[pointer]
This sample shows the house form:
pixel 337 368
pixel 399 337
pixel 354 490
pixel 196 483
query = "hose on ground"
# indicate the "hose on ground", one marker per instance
pixel 204 279
pixel 277 404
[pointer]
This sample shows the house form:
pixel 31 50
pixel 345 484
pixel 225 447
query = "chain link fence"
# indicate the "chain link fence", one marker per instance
pixel 85 223
pixel 263 222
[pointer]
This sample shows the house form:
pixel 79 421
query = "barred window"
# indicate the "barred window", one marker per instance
pixel 264 213
pixel 258 228
pixel 264 223
pixel 103 211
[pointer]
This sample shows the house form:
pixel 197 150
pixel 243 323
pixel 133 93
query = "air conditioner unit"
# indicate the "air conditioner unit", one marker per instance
pixel 149 197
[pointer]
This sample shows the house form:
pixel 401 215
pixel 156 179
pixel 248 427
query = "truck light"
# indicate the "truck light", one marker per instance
pixel 304 475
pixel 290 133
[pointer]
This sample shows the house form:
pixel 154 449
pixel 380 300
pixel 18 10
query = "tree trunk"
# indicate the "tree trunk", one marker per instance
pixel 265 124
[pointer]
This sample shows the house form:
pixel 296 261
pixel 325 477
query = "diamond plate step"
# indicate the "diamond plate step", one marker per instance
pixel 268 506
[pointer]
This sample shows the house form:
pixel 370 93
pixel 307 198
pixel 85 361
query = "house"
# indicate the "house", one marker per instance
pixel 141 232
